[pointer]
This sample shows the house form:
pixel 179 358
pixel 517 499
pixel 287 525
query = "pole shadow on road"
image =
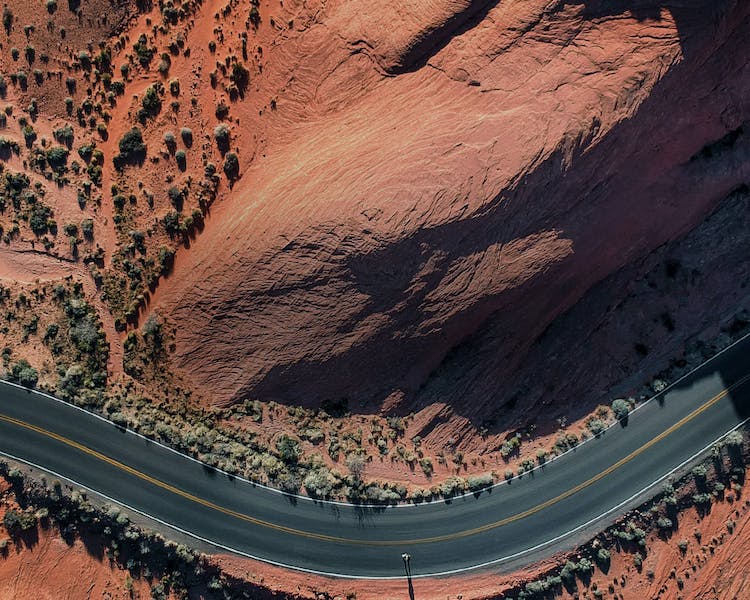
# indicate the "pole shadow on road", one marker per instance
pixel 406 557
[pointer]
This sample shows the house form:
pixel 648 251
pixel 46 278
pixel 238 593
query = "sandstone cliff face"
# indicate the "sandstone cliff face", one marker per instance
pixel 439 182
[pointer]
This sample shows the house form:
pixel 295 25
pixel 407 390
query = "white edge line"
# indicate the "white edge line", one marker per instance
pixel 379 506
pixel 390 577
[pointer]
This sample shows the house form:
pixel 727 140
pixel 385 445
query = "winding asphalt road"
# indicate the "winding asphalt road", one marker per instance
pixel 512 522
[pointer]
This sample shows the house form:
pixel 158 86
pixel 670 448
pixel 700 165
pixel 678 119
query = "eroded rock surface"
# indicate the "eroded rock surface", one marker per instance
pixel 447 179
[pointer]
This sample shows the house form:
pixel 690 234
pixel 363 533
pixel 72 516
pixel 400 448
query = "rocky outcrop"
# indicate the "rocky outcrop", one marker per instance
pixel 448 179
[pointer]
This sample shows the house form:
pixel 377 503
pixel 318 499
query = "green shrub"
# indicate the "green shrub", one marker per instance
pixel 23 373
pixel 7 19
pixel 452 486
pixel 86 152
pixel 57 157
pixel 15 520
pixel 288 448
pixel 170 141
pixel 40 218
pixel 132 148
pixel 603 558
pixel 735 439
pixel 151 103
pixel 584 567
pixel 8 146
pixel 480 482
pixel 319 483
pixel 181 159
pixel 232 166
pixel 596 426
pixel 87 228
pixel 664 523
pixel 621 408
pixel 221 135
pixel 187 136
pixel 143 51
pixel 240 77
pixel 702 499
pixel 84 58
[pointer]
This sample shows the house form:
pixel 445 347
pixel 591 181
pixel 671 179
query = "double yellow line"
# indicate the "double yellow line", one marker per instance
pixel 329 538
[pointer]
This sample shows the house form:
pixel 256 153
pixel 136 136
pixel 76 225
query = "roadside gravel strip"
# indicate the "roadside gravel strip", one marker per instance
pixel 512 522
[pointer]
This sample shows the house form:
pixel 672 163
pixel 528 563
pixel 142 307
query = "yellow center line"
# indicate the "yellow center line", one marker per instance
pixel 329 538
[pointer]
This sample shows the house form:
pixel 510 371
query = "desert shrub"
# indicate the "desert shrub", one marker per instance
pixel 117 87
pixel 452 486
pixel 171 222
pixel 734 439
pixel 187 136
pixel 7 19
pixel 39 218
pixel 288 448
pixel 143 51
pixel 170 141
pixel 254 16
pixel 181 159
pixel 151 103
pixel 166 259
pixel 8 146
pixel 479 482
pixel 584 567
pixel 15 520
pixel 664 523
pixel 175 196
pixel 222 111
pixel 163 67
pixel 57 157
pixel 319 483
pixel 511 446
pixel 84 58
pixel 87 228
pixel 603 558
pixel 699 473
pixel 596 426
pixel 621 408
pixel 221 135
pixel 231 166
pixel 23 373
pixel 240 77
pixel 85 152
pixel 132 148
pixel 568 572
pixel 29 135
pixel 701 499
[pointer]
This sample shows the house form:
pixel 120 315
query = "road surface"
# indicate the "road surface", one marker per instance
pixel 512 523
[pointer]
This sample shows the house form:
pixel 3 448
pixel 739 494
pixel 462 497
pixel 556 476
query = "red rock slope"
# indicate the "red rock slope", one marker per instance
pixel 438 182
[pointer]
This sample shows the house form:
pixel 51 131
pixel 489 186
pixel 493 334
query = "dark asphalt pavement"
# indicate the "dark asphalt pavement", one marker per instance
pixel 540 510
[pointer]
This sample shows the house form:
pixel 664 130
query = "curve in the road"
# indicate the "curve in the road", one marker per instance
pixel 338 539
